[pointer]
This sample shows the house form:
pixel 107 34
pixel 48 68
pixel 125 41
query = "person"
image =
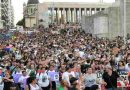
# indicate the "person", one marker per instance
pixel 129 77
pixel 16 75
pixel 121 66
pixel 51 74
pixel 31 71
pixel 127 67
pixel 43 79
pixel 74 85
pixel 8 81
pixel 66 75
pixel 22 80
pixel 32 84
pixel 90 80
pixel 63 85
pixel 110 78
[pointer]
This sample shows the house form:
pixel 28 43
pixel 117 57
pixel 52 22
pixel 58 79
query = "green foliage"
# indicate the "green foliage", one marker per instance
pixel 21 22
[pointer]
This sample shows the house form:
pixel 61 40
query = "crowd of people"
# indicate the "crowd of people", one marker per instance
pixel 64 58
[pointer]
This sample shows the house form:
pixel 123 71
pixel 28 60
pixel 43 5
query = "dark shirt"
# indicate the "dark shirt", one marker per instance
pixel 110 80
pixel 72 88
pixel 7 84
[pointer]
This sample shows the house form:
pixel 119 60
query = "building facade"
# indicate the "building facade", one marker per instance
pixel 31 13
pixel 1 21
pixel 125 16
pixel 112 22
pixel 6 14
pixel 10 15
pixel 63 12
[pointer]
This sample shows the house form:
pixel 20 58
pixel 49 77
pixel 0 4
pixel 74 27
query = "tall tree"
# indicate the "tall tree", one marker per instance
pixel 21 22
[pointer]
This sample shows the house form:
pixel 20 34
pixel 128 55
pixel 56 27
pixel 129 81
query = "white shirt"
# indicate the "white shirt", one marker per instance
pixel 117 59
pixel 18 56
pixel 34 88
pixel 28 71
pixel 81 53
pixel 21 80
pixel 66 76
pixel 72 73
pixel 127 68
pixel 43 79
pixel 90 79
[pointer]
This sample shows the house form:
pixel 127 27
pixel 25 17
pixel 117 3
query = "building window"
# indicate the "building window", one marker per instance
pixel 28 11
pixel 31 10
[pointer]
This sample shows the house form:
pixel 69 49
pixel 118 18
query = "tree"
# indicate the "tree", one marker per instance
pixel 21 22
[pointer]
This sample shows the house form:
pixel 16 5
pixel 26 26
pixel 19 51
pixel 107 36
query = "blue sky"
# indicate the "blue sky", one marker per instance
pixel 18 5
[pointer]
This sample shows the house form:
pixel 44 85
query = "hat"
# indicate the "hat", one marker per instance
pixel 73 79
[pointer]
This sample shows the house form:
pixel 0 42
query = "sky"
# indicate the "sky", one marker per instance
pixel 18 6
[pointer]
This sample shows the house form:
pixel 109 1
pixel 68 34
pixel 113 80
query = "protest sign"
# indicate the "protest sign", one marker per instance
pixel 54 76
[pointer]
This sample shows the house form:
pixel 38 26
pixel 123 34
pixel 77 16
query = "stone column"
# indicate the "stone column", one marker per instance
pixel 61 16
pixel 85 11
pixel 100 9
pixel 79 14
pixel 51 15
pixel 66 10
pixel 69 15
pixel 58 15
pixel 64 15
pixel 74 15
pixel 95 11
pixel 90 11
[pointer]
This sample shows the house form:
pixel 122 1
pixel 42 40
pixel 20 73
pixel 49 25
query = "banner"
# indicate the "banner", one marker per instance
pixel 123 82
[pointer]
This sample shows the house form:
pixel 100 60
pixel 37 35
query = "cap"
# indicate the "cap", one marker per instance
pixel 73 79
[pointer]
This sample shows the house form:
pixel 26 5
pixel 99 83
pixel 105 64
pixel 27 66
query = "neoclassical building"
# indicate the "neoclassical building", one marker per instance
pixel 30 12
pixel 36 13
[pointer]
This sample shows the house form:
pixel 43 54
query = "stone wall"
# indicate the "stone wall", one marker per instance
pixel 114 21
pixel 96 24
pixel 87 24
pixel 128 16
pixel 122 25
pixel 108 24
